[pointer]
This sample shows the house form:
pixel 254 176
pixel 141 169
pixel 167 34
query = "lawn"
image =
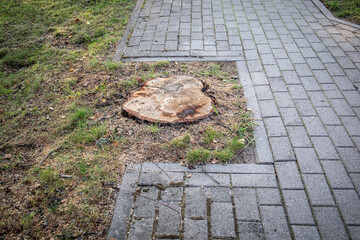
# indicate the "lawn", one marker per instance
pixel 345 9
pixel 64 144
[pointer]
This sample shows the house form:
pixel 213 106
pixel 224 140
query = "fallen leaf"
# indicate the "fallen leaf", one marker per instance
pixel 71 70
pixel 7 156
pixel 214 161
pixel 76 20
pixel 189 176
pixel 103 100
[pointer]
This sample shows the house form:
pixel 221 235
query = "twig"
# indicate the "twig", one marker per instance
pixel 209 176
pixel 220 124
pixel 111 116
pixel 238 153
pixel 157 201
pixel 47 155
pixel 65 176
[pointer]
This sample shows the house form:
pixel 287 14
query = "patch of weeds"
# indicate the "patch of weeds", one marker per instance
pixel 80 116
pixel 236 143
pixel 26 221
pixel 210 135
pixel 224 155
pixel 89 134
pixel 182 142
pixel 196 155
pixel 333 6
pixel 129 84
pixel 162 63
pixel 153 128
pixel 345 9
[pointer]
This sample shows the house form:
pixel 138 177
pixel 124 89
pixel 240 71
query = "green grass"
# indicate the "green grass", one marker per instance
pixel 182 142
pixel 210 135
pixel 198 155
pixel 153 128
pixel 345 9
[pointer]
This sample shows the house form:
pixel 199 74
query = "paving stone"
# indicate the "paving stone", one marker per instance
pixel 195 229
pixel 275 127
pixel 331 91
pixel 310 84
pixel 328 116
pixel 341 107
pixel 297 92
pixel 222 220
pixel 172 194
pixel 259 78
pixel 263 93
pixel 305 232
pixel 297 207
pixel 343 83
pixel 290 117
pixel 298 136
pixel 336 174
pixel 349 204
pixel 268 108
pixel 318 190
pixel 318 99
pixel 153 178
pixel 308 161
pixel 351 159
pixel 323 76
pixel 208 180
pixel 269 196
pixel 291 77
pixel 314 126
pixel 169 219
pixel 141 229
pixel 250 230
pixel 277 85
pixel 281 148
pixel 272 71
pixel 353 98
pixel 195 200
pixel 352 125
pixel 143 208
pixel 339 136
pixel 324 148
pixel 246 205
pixel 254 180
pixel 274 222
pixel 288 175
pixel 283 99
pixel 330 224
pixel 220 194
pixel 305 108
pixel 354 232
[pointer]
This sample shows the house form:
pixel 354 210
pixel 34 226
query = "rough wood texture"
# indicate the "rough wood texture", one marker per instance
pixel 170 100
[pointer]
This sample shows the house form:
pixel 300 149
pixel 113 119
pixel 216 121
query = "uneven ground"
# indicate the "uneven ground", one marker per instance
pixel 63 150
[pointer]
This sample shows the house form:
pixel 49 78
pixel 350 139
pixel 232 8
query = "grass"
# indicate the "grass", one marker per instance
pixel 55 64
pixel 345 9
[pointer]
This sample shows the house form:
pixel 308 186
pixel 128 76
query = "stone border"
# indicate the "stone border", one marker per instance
pixel 130 25
pixel 263 152
pixel 330 16
pixel 181 59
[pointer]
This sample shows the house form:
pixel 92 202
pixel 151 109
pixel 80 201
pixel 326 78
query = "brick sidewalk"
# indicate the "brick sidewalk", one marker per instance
pixel 300 73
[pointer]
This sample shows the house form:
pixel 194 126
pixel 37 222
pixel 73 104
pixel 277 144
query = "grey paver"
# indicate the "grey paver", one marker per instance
pixel 222 220
pixel 274 222
pixel 195 229
pixel 288 175
pixel 297 207
pixel 330 224
pixel 336 174
pixel 290 117
pixel 254 180
pixel 281 148
pixel 318 190
pixel 305 107
pixel 141 229
pixel 298 136
pixel 268 108
pixel 269 196
pixel 195 199
pixel 246 205
pixel 169 219
pixel 324 148
pixel 307 160
pixel 339 136
pixel 220 194
pixel 352 125
pixel 250 230
pixel 275 127
pixel 314 127
pixel 305 232
pixel 349 204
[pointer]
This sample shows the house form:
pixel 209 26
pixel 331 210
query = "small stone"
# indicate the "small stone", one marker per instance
pixel 102 141
pixel 170 100
pixel 7 156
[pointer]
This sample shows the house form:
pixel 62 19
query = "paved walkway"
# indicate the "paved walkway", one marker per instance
pixel 300 73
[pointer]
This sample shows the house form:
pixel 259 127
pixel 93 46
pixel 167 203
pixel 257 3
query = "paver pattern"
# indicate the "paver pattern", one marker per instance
pixel 300 73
